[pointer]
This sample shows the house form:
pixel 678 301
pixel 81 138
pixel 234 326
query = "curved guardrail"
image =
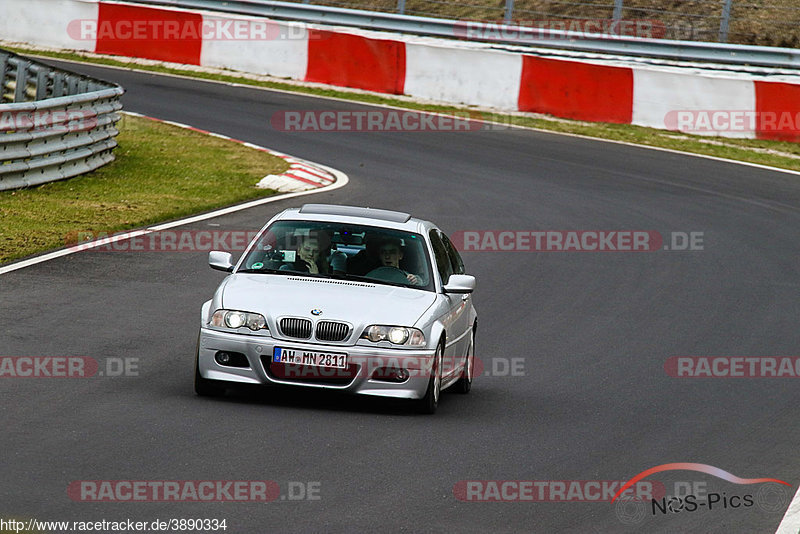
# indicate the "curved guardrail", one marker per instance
pixel 54 124
pixel 505 34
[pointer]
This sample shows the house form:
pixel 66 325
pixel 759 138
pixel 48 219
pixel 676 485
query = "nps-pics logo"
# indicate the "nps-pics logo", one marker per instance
pixel 770 496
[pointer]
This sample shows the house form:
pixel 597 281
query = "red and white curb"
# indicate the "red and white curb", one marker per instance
pixel 301 176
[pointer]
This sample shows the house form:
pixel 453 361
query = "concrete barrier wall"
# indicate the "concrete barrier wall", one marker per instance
pixel 47 22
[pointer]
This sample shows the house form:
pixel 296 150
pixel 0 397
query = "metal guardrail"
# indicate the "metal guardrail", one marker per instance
pixel 54 124
pixel 764 56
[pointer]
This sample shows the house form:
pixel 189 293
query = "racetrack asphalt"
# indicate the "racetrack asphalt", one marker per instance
pixel 591 400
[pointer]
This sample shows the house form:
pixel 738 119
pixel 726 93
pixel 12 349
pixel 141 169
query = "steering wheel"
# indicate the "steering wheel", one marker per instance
pixel 388 274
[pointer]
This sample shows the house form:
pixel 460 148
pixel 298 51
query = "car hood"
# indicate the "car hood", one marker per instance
pixel 358 303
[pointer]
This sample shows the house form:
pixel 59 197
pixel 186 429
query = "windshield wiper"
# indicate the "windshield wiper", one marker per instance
pixel 366 279
pixel 261 271
pixel 347 276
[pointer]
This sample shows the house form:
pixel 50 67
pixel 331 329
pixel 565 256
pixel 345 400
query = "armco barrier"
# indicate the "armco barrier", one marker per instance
pixel 53 124
pixel 442 70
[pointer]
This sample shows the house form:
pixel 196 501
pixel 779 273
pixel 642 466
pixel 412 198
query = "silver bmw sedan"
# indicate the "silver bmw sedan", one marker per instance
pixel 362 300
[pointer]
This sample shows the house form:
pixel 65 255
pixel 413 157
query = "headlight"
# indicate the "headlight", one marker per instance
pixel 397 335
pixel 237 319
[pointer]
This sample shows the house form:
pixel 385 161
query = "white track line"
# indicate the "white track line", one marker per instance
pixel 790 524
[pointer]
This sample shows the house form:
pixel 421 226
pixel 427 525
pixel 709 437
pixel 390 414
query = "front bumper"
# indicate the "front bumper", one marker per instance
pixel 360 377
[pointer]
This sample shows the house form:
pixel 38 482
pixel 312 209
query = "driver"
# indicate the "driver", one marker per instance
pixel 390 253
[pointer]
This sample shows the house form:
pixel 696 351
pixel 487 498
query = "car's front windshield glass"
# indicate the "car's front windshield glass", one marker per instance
pixel 336 250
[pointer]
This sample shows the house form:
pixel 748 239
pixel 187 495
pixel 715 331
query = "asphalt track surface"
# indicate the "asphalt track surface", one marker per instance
pixel 594 330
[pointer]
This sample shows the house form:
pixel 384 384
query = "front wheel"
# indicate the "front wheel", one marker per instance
pixel 464 384
pixel 429 403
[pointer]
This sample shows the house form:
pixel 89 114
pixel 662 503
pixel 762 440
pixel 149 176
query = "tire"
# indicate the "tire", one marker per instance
pixel 429 403
pixel 464 384
pixel 203 386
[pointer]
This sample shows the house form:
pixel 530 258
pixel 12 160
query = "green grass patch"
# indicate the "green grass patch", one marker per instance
pixel 784 155
pixel 162 172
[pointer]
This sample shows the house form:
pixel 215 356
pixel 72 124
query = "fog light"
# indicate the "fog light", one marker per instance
pixel 231 359
pixel 390 374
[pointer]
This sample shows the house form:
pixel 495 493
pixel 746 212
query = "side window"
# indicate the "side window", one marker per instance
pixel 441 257
pixel 455 258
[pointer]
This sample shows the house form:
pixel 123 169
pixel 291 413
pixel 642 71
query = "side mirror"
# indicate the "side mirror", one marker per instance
pixel 220 261
pixel 460 283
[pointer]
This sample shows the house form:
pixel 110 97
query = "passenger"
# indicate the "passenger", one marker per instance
pixel 310 257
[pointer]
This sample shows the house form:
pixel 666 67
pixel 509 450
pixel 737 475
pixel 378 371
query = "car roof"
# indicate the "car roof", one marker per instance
pixel 354 211
pixel 356 215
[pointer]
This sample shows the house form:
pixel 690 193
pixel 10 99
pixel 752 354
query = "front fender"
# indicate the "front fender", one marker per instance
pixel 437 333
pixel 205 313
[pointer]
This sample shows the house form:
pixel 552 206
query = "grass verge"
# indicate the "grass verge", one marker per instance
pixel 785 155
pixel 162 172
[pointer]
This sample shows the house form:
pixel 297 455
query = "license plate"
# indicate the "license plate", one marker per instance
pixel 330 360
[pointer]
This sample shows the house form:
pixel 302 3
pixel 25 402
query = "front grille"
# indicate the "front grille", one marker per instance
pixel 332 331
pixel 298 328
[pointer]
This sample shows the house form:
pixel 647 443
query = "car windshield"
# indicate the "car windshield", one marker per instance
pixel 336 250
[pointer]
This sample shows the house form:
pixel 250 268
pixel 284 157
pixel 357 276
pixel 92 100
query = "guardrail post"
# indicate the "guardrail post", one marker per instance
pixel 21 81
pixel 401 7
pixel 509 11
pixel 41 84
pixel 724 21
pixel 58 84
pixel 3 72
pixel 72 84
